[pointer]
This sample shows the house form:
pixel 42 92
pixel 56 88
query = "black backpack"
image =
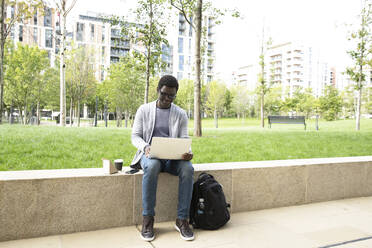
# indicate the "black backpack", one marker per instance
pixel 208 209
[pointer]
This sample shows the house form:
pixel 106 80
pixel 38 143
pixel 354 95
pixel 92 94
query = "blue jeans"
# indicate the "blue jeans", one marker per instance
pixel 151 169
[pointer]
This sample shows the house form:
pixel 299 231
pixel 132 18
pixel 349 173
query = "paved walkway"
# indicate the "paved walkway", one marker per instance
pixel 340 224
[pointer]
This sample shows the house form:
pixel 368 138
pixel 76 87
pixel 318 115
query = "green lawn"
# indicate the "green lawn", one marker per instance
pixel 51 147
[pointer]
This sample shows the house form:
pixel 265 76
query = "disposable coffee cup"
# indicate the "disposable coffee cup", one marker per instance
pixel 118 164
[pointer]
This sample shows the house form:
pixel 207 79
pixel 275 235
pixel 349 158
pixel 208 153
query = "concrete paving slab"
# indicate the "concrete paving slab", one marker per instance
pixel 314 225
pixel 124 237
pixel 44 242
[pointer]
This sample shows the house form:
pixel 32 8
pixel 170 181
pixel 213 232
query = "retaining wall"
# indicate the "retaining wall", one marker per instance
pixel 49 202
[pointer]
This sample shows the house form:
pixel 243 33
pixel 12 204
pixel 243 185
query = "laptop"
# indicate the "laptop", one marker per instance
pixel 169 148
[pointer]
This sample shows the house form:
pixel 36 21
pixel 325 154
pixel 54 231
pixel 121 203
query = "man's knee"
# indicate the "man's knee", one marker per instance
pixel 153 167
pixel 187 170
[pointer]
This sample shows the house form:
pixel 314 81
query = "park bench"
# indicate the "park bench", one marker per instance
pixel 286 120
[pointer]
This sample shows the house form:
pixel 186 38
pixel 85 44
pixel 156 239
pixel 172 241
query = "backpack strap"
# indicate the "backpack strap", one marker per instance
pixel 193 204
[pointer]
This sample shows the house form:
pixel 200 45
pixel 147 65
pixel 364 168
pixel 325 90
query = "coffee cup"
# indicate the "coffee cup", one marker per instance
pixel 118 164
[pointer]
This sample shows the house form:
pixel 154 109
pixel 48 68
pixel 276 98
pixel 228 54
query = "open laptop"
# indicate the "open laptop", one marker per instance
pixel 169 148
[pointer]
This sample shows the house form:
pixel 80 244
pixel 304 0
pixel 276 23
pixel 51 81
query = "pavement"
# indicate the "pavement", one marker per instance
pixel 340 224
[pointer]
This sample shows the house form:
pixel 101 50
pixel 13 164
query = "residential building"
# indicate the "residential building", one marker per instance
pixel 181 37
pixel 294 65
pixel 92 31
pixel 247 76
pixel 40 30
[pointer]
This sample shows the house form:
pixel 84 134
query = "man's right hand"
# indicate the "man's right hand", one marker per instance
pixel 147 151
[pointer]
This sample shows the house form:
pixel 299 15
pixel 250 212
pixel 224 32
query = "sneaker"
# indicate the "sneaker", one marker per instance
pixel 185 231
pixel 147 232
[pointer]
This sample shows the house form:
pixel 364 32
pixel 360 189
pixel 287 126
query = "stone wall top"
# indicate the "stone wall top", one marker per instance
pixel 98 172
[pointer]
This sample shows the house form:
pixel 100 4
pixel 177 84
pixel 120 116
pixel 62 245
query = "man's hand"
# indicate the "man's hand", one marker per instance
pixel 147 151
pixel 187 156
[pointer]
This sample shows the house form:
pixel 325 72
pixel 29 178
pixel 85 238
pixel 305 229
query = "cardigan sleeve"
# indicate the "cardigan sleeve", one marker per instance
pixel 137 131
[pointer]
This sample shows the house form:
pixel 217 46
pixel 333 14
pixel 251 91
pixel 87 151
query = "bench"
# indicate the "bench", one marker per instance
pixel 286 119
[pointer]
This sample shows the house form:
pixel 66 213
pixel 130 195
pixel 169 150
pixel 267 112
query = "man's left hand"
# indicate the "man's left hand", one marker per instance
pixel 187 156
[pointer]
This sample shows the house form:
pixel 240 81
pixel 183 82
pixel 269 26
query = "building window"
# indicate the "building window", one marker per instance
pixel 80 31
pixel 190 27
pixel 12 11
pixel 180 63
pixel 180 45
pixel 47 17
pixel 12 33
pixel 48 38
pixel 35 35
pixel 103 54
pixel 179 75
pixel 35 18
pixel 103 34
pixel 91 32
pixel 102 73
pixel 20 35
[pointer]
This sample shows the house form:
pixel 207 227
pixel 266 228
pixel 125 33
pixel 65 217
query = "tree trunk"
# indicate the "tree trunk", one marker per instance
pixel 126 117
pixel 21 113
pixel 78 113
pixel 262 109
pixel 25 114
pixel 215 118
pixel 359 103
pixel 119 117
pixel 148 58
pixel 62 102
pixel 2 44
pixel 71 108
pixel 38 113
pixel 197 85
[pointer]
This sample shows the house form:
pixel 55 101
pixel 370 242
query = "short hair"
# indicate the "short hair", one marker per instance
pixel 169 81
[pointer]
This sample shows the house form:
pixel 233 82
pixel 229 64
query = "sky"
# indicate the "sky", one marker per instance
pixel 319 23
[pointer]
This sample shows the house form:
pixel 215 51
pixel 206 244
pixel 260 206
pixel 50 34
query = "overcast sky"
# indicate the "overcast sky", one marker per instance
pixel 320 23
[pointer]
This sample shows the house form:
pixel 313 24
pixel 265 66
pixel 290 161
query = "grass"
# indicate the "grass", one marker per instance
pixel 51 147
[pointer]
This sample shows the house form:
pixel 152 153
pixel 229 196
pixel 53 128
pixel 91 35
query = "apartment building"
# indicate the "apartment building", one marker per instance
pixel 294 65
pixel 181 56
pixel 40 30
pixel 92 31
pixel 247 76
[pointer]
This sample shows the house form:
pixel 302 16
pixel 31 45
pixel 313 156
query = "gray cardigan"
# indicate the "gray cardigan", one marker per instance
pixel 144 124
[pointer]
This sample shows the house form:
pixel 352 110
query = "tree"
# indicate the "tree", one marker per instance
pixel 330 103
pixel 193 10
pixel 80 79
pixel 125 87
pixel 151 35
pixel 361 55
pixel 305 102
pixel 23 9
pixel 273 102
pixel 216 99
pixel 263 83
pixel 148 35
pixel 240 100
pixel 63 10
pixel 23 77
pixel 185 96
pixel 348 102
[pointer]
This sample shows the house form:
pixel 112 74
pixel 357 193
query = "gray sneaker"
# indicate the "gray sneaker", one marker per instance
pixel 147 232
pixel 184 228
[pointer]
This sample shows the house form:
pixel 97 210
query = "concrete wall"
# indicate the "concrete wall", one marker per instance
pixel 48 202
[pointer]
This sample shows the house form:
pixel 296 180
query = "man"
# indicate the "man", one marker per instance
pixel 162 118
